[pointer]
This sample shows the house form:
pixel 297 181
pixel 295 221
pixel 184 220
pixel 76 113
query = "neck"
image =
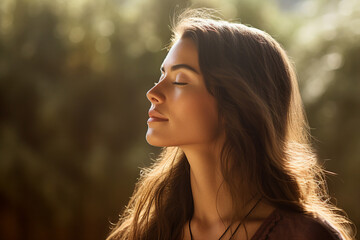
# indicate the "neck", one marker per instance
pixel 212 199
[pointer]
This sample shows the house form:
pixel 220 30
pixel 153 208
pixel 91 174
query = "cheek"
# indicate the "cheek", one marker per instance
pixel 199 115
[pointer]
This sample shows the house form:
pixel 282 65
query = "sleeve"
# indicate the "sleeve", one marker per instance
pixel 302 227
pixel 314 230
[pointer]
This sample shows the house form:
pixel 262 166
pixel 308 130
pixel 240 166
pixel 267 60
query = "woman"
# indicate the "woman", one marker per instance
pixel 236 162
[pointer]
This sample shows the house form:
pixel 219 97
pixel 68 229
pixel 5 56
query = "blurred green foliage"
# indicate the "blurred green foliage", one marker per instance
pixel 327 52
pixel 73 78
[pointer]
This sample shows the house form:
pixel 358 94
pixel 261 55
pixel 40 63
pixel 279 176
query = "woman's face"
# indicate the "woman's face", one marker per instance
pixel 182 111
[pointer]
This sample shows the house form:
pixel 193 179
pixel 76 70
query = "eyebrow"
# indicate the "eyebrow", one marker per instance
pixel 179 66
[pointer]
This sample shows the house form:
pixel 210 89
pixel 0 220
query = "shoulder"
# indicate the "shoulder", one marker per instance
pixel 299 226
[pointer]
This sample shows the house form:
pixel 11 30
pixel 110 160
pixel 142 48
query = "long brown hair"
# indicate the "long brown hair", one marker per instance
pixel 267 136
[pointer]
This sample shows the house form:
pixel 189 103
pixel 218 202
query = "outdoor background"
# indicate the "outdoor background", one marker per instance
pixel 73 111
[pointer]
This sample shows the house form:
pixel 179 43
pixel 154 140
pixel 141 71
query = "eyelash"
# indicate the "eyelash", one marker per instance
pixel 179 83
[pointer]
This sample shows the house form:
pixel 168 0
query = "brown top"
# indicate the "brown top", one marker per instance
pixel 283 225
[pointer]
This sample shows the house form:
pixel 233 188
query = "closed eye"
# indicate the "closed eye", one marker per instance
pixel 179 83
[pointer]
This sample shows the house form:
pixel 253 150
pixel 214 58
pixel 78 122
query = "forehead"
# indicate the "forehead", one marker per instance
pixel 183 51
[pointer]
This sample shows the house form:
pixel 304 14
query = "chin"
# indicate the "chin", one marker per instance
pixel 154 142
pixel 159 142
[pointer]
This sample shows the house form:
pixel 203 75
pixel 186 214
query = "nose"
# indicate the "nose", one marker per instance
pixel 155 95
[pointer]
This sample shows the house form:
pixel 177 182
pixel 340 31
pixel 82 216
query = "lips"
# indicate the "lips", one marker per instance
pixel 155 116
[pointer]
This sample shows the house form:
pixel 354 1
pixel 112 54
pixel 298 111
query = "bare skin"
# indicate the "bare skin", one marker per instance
pixel 212 201
pixel 189 120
